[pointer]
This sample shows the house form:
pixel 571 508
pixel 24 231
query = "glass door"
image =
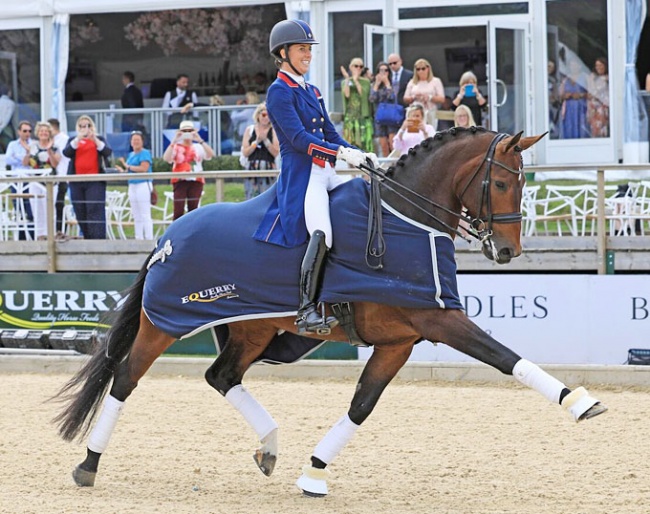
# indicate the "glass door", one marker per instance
pixel 508 75
pixel 379 43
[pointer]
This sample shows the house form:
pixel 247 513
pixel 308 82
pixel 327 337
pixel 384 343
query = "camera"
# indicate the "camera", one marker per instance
pixel 470 90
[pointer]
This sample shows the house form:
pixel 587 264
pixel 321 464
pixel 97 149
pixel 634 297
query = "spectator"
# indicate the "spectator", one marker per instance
pixel 139 161
pixel 43 155
pixel 598 99
pixel 240 118
pixel 554 102
pixel 227 143
pixel 573 92
pixel 463 117
pixel 425 89
pixel 17 157
pixel 382 92
pixel 414 130
pixel 87 152
pixel 647 83
pixel 399 76
pixel 131 99
pixel 181 98
pixel 261 147
pixel 357 115
pixel 470 95
pixel 186 153
pixel 7 109
pixel 61 188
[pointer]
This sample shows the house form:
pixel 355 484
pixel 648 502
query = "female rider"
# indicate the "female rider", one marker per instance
pixel 309 147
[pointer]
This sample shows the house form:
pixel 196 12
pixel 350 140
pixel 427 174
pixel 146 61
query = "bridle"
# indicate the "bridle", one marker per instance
pixel 483 225
pixel 480 227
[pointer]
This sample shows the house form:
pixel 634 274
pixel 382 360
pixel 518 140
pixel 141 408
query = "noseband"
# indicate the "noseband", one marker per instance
pixel 483 225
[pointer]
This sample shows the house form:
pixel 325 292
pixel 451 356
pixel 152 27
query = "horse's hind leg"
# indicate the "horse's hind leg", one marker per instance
pixel 455 329
pixel 148 345
pixel 380 369
pixel 246 342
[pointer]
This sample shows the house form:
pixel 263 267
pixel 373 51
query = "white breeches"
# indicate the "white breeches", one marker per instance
pixel 317 205
pixel 140 198
pixel 38 203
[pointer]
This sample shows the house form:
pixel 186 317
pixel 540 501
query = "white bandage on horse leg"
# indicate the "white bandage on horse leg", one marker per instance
pixel 254 414
pixel 536 378
pixel 101 434
pixel 334 441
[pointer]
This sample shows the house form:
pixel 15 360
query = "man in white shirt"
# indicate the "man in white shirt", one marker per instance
pixel 60 142
pixel 182 98
pixel 17 157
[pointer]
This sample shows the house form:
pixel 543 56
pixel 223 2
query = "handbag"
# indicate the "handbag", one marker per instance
pixel 154 196
pixel 389 114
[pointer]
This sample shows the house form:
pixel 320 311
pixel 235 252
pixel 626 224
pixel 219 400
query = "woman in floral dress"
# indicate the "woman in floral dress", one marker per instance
pixel 357 112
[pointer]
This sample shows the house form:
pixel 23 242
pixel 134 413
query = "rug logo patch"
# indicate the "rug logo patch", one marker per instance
pixel 161 254
pixel 211 294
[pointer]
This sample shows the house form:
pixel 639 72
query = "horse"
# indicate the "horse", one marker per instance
pixel 473 175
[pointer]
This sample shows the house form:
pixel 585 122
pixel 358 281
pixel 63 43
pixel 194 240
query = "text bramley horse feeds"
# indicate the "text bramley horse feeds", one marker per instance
pixel 477 169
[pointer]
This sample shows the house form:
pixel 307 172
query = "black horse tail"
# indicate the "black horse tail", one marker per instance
pixel 86 389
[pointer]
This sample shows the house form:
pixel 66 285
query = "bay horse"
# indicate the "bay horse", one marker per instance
pixel 472 169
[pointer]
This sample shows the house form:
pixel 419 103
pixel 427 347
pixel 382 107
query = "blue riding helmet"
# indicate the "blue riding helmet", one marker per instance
pixel 289 32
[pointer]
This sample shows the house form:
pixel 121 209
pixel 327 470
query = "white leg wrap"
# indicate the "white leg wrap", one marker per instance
pixel 536 378
pixel 334 441
pixel 101 433
pixel 254 414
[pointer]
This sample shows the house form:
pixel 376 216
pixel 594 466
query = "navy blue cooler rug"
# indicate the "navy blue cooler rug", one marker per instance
pixel 208 270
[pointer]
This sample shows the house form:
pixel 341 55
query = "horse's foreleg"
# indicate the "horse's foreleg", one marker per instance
pixel 455 329
pixel 381 368
pixel 226 375
pixel 148 345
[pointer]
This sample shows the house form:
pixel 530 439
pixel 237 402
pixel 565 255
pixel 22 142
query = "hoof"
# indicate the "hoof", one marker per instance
pixel 581 405
pixel 84 478
pixel 313 482
pixel 265 461
pixel 594 411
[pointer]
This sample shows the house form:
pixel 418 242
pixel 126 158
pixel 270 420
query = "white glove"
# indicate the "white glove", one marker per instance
pixel 373 159
pixel 352 156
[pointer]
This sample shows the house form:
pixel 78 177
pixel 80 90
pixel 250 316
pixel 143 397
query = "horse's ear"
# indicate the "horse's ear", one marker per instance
pixel 512 141
pixel 527 142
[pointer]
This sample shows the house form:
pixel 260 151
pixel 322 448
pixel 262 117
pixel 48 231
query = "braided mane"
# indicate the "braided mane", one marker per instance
pixel 432 144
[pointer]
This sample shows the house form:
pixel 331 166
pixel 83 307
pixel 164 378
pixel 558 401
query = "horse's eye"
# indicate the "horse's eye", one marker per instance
pixel 500 185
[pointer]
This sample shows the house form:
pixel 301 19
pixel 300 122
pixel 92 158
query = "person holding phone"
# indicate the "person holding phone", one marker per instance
pixel 382 92
pixel 414 130
pixel 470 95
pixel 186 154
pixel 87 153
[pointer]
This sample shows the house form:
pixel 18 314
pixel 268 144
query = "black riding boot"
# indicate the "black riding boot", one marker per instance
pixel 311 274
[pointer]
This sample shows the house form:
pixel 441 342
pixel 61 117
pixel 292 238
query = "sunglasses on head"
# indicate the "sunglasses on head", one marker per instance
pixel 136 133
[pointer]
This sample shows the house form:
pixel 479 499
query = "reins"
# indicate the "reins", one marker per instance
pixel 480 227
